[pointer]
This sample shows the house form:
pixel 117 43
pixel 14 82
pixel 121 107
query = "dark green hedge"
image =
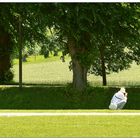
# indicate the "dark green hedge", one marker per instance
pixel 63 98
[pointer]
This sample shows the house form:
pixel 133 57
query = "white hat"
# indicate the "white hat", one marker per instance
pixel 122 89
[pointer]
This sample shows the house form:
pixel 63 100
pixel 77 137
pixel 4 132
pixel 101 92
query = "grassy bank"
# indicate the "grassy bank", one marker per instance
pixel 63 98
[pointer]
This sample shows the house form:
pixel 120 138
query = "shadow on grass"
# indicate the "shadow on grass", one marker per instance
pixel 59 96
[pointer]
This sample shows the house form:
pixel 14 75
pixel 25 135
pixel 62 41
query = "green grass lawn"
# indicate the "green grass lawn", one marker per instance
pixel 52 70
pixel 55 98
pixel 68 111
pixel 70 126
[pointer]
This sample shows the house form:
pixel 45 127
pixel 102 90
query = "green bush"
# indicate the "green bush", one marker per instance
pixel 63 98
pixel 6 77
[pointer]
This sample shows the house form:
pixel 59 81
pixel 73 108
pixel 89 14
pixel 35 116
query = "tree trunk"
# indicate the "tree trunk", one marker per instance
pixel 79 75
pixel 103 66
pixel 5 53
pixel 20 53
pixel 79 71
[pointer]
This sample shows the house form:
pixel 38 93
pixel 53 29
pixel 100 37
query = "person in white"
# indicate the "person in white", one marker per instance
pixel 118 100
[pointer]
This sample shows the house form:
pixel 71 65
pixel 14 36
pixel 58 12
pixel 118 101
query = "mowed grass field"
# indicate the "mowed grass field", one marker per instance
pixel 70 126
pixel 44 99
pixel 53 71
pixel 52 99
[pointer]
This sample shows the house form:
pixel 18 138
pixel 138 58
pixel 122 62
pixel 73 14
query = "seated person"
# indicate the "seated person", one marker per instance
pixel 118 100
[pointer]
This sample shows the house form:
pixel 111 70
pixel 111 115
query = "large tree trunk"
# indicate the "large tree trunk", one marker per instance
pixel 79 75
pixel 79 71
pixel 5 53
pixel 103 66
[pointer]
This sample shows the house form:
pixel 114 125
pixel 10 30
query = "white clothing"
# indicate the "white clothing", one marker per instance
pixel 117 99
pixel 113 106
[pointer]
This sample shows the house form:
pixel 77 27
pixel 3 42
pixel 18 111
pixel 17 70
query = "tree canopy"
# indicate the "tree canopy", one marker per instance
pixel 100 37
pixel 97 32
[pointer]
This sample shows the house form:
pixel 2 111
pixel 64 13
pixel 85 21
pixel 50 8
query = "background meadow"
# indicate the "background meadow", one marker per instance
pixel 53 71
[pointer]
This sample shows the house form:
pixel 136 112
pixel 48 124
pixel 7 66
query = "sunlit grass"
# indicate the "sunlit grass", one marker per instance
pixel 69 111
pixel 53 70
pixel 70 126
pixel 40 58
pixel 45 72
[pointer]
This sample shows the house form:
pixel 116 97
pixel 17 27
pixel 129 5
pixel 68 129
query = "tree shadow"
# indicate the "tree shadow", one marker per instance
pixel 41 97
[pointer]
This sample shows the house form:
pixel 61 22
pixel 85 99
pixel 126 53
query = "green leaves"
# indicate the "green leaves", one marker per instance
pixel 93 26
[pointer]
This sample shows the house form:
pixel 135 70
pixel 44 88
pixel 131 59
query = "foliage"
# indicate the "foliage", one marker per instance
pixel 116 39
pixel 115 57
pixel 63 97
pixel 33 27
pixel 52 45
pixel 6 77
pixel 80 29
pixel 95 27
